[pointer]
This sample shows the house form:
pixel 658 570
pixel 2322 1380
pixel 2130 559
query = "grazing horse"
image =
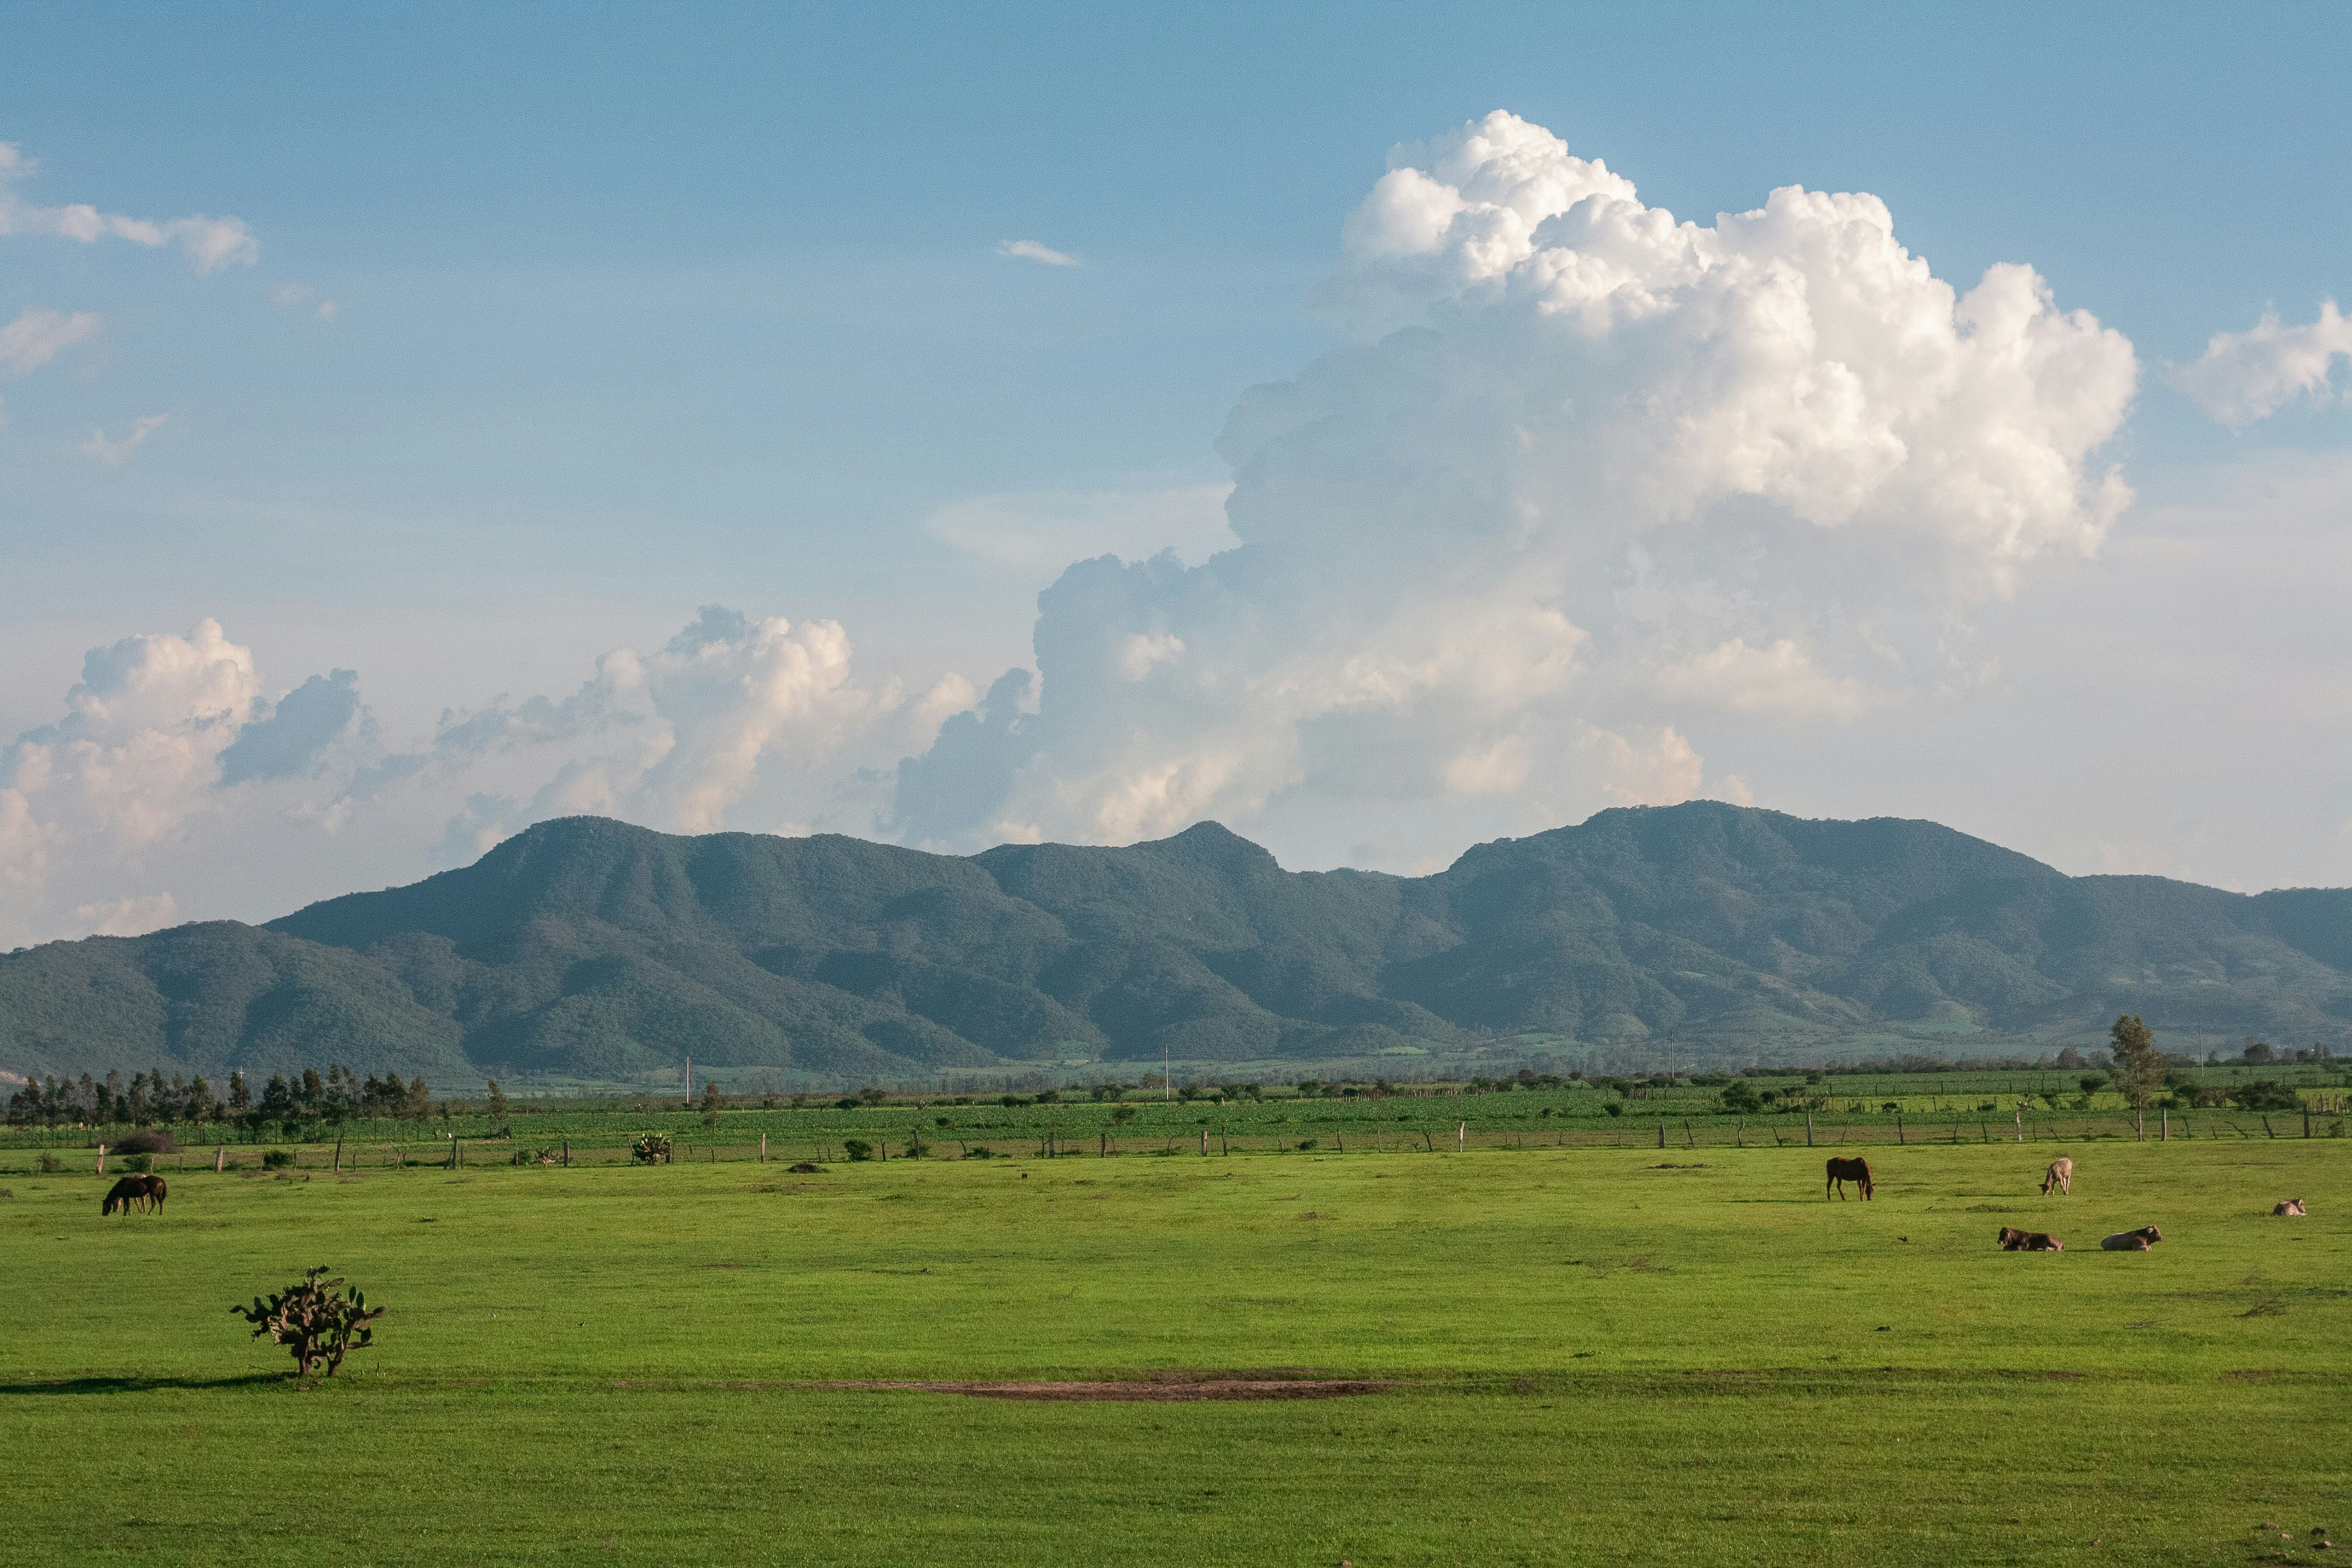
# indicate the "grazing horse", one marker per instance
pixel 2014 1240
pixel 125 1192
pixel 2289 1206
pixel 2060 1176
pixel 1841 1171
pixel 155 1192
pixel 2139 1240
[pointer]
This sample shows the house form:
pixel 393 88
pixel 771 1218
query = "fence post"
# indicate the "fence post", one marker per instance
pixel 101 1159
pixel 1462 1137
pixel 1662 1132
pixel 2307 1122
pixel 1204 1142
pixel 338 1153
pixel 2139 1122
pixel 2021 1126
pixel 1688 1141
pixel 1103 1153
pixel 2266 1127
pixel 220 1157
pixel 764 1148
pixel 1809 1127
pixel 1898 1129
pixel 1739 1132
pixel 567 1153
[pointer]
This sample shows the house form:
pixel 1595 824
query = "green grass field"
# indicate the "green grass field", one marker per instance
pixel 1595 1359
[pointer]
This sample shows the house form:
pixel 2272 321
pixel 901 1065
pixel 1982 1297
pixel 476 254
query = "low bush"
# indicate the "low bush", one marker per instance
pixel 980 1152
pixel 138 1164
pixel 276 1160
pixel 50 1164
pixel 650 1149
pixel 858 1149
pixel 148 1141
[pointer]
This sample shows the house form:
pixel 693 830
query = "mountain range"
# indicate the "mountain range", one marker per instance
pixel 589 949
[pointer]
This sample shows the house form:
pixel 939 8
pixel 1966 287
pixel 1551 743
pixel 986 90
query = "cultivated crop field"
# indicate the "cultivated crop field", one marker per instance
pixel 1579 1354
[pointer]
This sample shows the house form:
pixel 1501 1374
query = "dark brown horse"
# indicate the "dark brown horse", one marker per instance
pixel 1841 1171
pixel 141 1191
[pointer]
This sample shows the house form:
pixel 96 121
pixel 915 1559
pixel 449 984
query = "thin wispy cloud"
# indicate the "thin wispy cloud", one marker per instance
pixel 303 297
pixel 209 243
pixel 1031 250
pixel 36 337
pixel 115 451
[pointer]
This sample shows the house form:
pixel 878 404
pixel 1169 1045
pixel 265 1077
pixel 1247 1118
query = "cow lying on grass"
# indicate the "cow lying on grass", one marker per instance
pixel 2291 1207
pixel 2139 1240
pixel 2015 1240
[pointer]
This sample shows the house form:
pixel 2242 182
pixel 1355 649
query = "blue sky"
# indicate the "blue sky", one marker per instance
pixel 567 322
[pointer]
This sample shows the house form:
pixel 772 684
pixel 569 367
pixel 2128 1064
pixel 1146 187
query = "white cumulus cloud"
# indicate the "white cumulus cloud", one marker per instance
pixel 2245 377
pixel 1586 469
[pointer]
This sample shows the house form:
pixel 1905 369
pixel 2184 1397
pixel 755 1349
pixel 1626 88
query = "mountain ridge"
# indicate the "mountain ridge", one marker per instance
pixel 587 948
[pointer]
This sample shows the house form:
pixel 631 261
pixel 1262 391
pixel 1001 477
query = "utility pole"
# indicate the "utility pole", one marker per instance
pixel 689 1083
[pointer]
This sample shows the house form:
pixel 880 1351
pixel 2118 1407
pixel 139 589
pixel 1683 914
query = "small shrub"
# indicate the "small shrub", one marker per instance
pixel 49 1164
pixel 1307 1142
pixel 651 1149
pixel 858 1149
pixel 805 1169
pixel 1614 1107
pixel 148 1141
pixel 138 1164
pixel 276 1160
pixel 980 1152
pixel 2263 1094
pixel 318 1324
pixel 1008 1101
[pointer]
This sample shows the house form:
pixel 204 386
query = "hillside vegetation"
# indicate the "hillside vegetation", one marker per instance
pixel 589 949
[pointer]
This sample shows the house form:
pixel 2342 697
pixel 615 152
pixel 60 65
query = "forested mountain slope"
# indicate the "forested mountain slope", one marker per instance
pixel 590 948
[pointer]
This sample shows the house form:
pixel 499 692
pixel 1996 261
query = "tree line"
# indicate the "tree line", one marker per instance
pixel 307 1100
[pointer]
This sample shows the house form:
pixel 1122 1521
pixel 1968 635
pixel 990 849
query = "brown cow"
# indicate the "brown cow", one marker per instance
pixel 2015 1240
pixel 2060 1176
pixel 2139 1240
pixel 2291 1207
pixel 1841 1171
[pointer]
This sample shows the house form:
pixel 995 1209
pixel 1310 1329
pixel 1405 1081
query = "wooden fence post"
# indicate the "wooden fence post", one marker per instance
pixel 764 1148
pixel 1103 1152
pixel 1204 1142
pixel 2164 1126
pixel 567 1153
pixel 1689 1141
pixel 101 1159
pixel 2307 1122
pixel 220 1157
pixel 1662 1132
pixel 2021 1126
pixel 338 1153
pixel 1342 1137
pixel 1898 1129
pixel 1462 1137
pixel 2266 1127
pixel 1809 1127
pixel 2139 1122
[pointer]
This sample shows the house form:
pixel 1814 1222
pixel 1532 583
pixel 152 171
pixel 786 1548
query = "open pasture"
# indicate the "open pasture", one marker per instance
pixel 1590 1355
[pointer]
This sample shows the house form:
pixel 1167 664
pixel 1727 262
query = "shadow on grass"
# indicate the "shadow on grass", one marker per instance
pixel 134 1384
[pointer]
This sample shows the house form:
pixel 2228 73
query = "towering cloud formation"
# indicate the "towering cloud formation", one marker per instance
pixel 1586 469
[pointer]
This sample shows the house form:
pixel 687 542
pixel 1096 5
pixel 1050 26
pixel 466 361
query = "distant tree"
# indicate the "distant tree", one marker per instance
pixel 2069 1057
pixel 2139 1068
pixel 2257 1054
pixel 2094 1082
pixel 420 1098
pixel 1740 1097
pixel 709 1103
pixel 497 1104
pixel 240 1099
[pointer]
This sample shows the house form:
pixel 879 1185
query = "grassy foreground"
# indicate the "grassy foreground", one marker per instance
pixel 1601 1356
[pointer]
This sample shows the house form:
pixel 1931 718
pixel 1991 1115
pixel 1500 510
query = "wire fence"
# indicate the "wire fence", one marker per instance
pixel 828 1144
